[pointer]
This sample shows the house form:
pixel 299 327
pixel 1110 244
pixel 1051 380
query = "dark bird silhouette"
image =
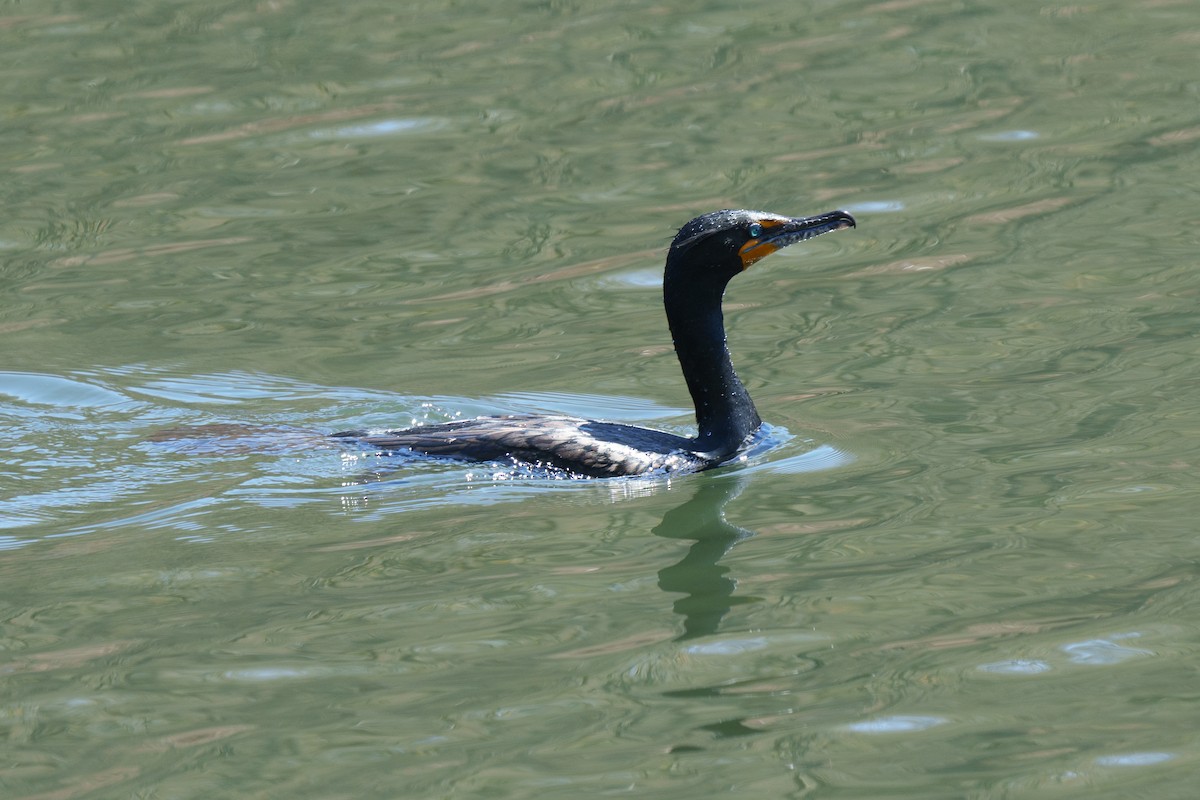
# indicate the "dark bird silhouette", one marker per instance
pixel 706 253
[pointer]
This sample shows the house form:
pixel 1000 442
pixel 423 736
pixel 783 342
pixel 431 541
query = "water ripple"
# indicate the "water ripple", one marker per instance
pixel 897 724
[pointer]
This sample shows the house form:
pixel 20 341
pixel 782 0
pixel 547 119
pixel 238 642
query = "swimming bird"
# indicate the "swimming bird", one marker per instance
pixel 705 255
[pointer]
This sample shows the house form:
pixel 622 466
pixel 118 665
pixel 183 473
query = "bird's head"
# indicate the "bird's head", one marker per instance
pixel 727 242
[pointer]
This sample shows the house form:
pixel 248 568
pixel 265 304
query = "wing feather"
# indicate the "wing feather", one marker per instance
pixel 582 447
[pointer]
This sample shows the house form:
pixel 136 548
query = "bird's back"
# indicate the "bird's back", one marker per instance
pixel 578 446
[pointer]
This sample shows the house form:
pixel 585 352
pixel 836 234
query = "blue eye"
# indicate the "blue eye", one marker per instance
pixel 755 230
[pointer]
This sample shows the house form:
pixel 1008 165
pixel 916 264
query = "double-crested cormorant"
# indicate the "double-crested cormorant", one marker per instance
pixel 705 254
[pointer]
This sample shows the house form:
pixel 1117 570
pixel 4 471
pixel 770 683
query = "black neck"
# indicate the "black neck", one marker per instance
pixel 725 414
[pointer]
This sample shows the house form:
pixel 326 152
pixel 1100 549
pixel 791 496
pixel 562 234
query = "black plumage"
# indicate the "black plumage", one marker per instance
pixel 706 253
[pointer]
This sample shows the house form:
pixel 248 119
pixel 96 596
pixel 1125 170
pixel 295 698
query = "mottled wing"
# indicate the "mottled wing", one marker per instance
pixel 582 447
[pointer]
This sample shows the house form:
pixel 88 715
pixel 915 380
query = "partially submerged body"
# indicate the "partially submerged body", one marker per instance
pixel 707 252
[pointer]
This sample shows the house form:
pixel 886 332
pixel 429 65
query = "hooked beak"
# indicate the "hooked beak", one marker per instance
pixel 779 232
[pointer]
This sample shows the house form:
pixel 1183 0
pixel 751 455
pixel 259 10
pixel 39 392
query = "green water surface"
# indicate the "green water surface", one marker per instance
pixel 967 568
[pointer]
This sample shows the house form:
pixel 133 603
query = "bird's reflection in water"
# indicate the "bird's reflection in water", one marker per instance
pixel 708 591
